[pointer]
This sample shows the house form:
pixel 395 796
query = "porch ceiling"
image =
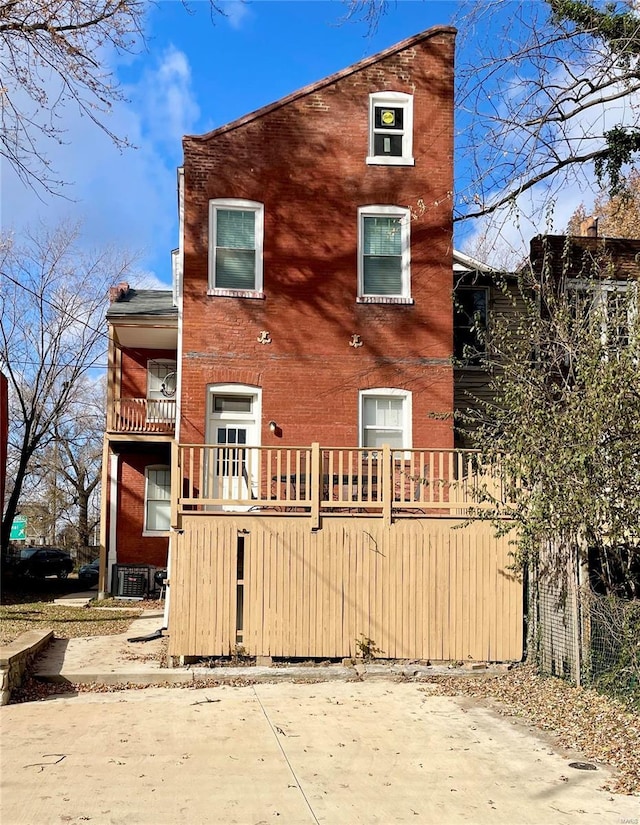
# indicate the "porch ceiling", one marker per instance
pixel 146 336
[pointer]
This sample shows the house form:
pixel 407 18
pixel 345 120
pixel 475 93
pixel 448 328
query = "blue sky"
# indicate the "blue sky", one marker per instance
pixel 192 75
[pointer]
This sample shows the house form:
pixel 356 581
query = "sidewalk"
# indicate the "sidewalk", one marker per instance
pixel 115 660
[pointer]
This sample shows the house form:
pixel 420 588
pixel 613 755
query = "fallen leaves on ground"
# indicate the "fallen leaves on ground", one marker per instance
pixel 581 719
pixel 33 690
pixel 66 622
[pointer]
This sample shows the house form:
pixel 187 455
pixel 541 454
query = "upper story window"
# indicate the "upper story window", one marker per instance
pixel 161 378
pixel 235 247
pixel 390 129
pixel 384 254
pixel 610 304
pixel 470 324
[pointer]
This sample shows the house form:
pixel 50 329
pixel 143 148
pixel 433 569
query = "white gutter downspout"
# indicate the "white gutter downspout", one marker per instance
pixel 178 292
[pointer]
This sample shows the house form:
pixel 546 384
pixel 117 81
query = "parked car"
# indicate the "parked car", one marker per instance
pixel 89 573
pixel 44 561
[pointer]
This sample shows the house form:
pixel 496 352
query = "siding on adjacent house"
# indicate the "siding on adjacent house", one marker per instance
pixel 472 385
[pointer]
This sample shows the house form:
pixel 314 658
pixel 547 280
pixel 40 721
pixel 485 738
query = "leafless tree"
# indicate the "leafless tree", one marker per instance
pixel 79 439
pixel 51 336
pixel 64 477
pixel 55 53
pixel 545 92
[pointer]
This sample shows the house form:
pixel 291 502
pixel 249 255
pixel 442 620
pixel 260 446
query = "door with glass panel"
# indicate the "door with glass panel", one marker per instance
pixel 161 390
pixel 232 462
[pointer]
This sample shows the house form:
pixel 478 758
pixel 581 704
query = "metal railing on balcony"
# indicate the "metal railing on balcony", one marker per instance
pixel 143 415
pixel 323 480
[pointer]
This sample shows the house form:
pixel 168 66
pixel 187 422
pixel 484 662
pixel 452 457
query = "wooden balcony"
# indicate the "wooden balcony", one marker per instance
pixel 314 481
pixel 143 415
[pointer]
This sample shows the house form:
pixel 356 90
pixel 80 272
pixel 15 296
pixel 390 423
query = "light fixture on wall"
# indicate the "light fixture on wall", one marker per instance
pixel 275 429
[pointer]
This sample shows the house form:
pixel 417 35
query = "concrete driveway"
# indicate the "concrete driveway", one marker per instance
pixel 335 753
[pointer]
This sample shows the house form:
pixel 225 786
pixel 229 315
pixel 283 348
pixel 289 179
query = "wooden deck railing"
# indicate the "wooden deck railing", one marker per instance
pixel 319 480
pixel 143 415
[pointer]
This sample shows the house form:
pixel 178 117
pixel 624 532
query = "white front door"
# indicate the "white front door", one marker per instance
pixel 233 428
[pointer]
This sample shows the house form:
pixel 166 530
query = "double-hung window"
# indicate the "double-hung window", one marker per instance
pixel 157 500
pixel 235 247
pixel 384 254
pixel 611 304
pixel 385 418
pixel 390 129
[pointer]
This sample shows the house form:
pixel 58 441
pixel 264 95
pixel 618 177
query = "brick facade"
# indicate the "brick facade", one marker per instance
pixel 133 546
pixel 304 159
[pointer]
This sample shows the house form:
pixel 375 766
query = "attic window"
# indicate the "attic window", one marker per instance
pixel 390 129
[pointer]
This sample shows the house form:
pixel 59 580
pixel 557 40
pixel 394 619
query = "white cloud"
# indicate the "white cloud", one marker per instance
pixel 165 99
pixel 124 197
pixel 235 12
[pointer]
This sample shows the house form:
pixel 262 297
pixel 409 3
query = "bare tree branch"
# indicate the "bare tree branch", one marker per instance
pixel 51 336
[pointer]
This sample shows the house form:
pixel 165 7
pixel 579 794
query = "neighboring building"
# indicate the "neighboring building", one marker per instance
pixel 312 487
pixel 474 297
pixel 575 258
pixel 603 266
pixel 141 416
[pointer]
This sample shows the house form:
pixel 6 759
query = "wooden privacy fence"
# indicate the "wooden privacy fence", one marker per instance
pixel 421 588
pixel 315 481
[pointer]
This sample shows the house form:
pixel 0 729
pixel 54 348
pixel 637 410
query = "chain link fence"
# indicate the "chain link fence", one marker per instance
pixel 612 660
pixel 583 637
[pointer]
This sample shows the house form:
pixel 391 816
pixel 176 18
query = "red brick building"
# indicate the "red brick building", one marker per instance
pixel 312 295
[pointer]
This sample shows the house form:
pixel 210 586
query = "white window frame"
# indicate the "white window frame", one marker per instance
pixel 404 215
pixel 407 413
pixel 146 530
pixel 599 290
pixel 396 100
pixel 244 206
pixel 157 410
pixel 156 393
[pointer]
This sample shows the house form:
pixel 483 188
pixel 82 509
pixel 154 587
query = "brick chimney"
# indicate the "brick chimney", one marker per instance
pixel 589 228
pixel 118 292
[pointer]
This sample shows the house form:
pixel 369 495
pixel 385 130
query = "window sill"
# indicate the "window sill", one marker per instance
pixel 389 161
pixel 384 299
pixel 236 293
pixel 155 534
